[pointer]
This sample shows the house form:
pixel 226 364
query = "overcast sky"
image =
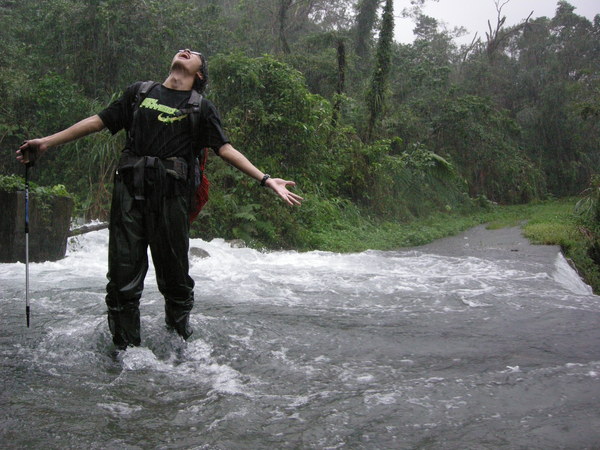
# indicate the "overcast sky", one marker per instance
pixel 474 14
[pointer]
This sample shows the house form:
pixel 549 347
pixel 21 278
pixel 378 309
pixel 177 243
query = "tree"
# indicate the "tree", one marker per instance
pixel 365 21
pixel 376 91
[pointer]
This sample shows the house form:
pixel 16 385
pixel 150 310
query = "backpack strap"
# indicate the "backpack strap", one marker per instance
pixel 199 184
pixel 193 109
pixel 144 88
pixel 195 106
pixel 142 92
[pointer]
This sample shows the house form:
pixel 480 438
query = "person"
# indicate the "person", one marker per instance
pixel 150 201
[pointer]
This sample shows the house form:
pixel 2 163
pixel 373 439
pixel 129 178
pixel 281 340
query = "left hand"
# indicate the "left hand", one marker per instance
pixel 280 188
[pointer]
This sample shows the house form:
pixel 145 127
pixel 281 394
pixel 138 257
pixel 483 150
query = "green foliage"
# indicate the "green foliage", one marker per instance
pixel 401 182
pixel 365 21
pixel 316 59
pixel 588 207
pixel 543 77
pixel 13 183
pixel 58 103
pixel 419 128
pixel 269 112
pixel 483 141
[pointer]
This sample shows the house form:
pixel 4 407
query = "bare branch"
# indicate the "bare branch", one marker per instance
pixel 469 48
pixel 498 37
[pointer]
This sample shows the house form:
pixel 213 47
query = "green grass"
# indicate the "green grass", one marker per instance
pixel 391 235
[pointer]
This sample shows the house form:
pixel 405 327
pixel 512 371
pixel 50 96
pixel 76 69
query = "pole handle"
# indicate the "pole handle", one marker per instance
pixel 30 155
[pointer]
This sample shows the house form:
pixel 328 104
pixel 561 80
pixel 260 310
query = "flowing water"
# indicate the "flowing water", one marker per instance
pixel 477 341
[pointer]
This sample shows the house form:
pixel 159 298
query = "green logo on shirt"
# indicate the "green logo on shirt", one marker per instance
pixel 152 103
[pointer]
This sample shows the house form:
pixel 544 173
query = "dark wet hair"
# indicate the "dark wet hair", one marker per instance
pixel 200 83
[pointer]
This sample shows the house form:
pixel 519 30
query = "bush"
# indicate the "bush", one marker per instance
pixel 13 183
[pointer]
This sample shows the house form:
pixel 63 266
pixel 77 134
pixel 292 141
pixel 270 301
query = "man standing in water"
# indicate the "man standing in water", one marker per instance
pixel 151 201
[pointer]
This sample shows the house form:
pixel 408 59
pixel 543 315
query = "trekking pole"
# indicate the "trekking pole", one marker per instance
pixel 31 157
pixel 27 309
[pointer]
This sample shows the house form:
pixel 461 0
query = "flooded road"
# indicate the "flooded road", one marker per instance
pixel 475 341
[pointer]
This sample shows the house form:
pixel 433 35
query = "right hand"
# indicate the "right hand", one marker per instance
pixel 280 188
pixel 31 150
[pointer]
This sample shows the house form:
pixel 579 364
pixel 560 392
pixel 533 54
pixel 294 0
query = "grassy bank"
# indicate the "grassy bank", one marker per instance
pixel 551 223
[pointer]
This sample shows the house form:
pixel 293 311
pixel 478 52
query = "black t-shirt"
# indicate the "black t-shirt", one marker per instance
pixel 159 131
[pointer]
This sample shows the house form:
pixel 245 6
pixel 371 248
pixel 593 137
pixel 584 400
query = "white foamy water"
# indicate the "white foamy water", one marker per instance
pixel 308 350
pixel 243 274
pixel 569 278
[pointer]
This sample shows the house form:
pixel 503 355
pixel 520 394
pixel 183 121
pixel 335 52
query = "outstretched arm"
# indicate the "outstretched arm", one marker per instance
pixel 74 132
pixel 240 162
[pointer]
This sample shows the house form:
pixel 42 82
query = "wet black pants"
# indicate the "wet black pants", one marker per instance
pixel 160 222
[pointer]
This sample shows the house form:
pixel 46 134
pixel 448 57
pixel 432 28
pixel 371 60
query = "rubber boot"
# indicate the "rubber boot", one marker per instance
pixel 124 326
pixel 178 321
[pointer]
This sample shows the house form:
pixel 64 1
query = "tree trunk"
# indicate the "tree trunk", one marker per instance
pixel 341 85
pixel 284 6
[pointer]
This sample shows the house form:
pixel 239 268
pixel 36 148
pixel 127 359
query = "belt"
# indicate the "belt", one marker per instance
pixel 176 167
